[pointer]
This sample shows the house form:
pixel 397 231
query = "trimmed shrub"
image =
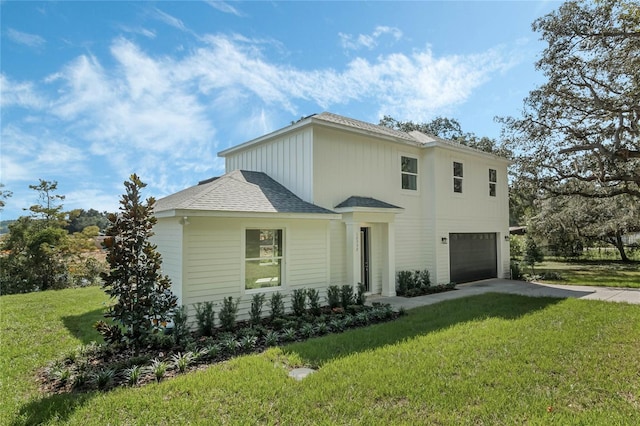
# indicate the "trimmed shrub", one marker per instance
pixel 255 314
pixel 299 301
pixel 228 313
pixel 205 318
pixel 277 305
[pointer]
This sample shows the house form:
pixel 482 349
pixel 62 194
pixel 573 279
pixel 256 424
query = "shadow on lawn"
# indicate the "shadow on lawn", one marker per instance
pixel 81 326
pixel 417 322
pixel 56 408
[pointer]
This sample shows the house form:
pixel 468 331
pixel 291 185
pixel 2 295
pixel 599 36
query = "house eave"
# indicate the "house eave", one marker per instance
pixel 245 215
pixel 368 210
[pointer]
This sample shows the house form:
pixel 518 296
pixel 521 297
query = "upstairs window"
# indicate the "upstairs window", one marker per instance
pixel 409 167
pixel 263 258
pixel 493 179
pixel 458 175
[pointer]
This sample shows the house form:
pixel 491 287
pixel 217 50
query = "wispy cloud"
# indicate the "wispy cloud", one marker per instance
pixel 169 20
pixel 26 39
pixel 22 94
pixel 224 6
pixel 139 30
pixel 157 115
pixel 368 41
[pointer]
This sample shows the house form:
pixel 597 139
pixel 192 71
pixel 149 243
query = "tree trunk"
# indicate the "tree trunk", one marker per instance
pixel 617 242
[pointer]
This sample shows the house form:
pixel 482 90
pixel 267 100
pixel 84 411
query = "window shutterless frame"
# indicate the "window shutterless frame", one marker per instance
pixel 493 180
pixel 409 172
pixel 264 256
pixel 458 176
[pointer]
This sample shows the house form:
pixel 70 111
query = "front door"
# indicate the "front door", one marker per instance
pixel 365 259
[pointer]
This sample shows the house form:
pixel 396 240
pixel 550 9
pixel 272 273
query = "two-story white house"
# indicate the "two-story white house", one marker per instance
pixel 333 200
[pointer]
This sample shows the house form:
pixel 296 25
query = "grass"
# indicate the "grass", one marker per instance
pixel 490 359
pixel 593 272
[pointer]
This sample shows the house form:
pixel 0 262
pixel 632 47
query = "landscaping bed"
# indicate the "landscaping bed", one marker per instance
pixel 178 350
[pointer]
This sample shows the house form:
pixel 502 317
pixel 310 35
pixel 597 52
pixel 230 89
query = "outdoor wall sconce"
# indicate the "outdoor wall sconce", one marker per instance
pixel 506 238
pixel 444 240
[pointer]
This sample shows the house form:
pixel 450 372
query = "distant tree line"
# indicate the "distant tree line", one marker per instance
pixel 50 248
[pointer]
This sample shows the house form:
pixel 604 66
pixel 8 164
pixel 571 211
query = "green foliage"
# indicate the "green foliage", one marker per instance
pixel 141 295
pixel 276 303
pixel 80 219
pixel 532 253
pixel 516 272
pixel 181 333
pixel 414 283
pixel 360 297
pixel 333 296
pixel 205 318
pixel 404 281
pixel 579 131
pixel 228 313
pixel 299 301
pixel 346 296
pixel 314 300
pixel 182 361
pixel 158 368
pixel 255 312
pixel 516 244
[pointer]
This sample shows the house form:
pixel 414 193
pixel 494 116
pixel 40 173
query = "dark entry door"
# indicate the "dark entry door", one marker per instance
pixel 365 260
pixel 472 256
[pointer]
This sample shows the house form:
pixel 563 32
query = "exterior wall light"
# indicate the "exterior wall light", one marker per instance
pixel 444 240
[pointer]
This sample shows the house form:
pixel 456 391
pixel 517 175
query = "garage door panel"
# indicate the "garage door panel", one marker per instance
pixel 472 256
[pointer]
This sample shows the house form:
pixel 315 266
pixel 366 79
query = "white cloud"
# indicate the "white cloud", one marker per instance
pixel 19 94
pixel 154 115
pixel 169 20
pixel 225 7
pixel 26 39
pixel 369 41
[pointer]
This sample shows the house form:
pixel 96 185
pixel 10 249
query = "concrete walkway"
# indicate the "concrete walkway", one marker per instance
pixel 497 285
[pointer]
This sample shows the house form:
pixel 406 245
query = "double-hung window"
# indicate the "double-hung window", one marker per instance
pixel 458 175
pixel 263 258
pixel 409 172
pixel 493 180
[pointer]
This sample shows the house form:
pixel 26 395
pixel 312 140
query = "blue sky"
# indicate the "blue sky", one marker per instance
pixel 94 91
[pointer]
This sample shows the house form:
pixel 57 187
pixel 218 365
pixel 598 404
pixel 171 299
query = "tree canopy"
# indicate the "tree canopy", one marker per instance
pixel 448 128
pixel 579 132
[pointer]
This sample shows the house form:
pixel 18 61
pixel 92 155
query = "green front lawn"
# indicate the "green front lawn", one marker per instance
pixel 592 272
pixel 490 359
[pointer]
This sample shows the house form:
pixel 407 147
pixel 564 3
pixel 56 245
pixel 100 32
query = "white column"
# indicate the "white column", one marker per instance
pixel 389 261
pixel 353 253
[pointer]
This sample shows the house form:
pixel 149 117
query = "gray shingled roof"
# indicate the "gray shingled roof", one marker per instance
pixel 362 125
pixel 368 202
pixel 239 191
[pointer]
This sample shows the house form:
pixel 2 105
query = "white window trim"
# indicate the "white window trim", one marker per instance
pixel 283 261
pixel 495 183
pixel 417 175
pixel 454 177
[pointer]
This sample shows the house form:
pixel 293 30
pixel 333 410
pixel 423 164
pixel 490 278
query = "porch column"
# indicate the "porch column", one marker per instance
pixel 353 253
pixel 389 260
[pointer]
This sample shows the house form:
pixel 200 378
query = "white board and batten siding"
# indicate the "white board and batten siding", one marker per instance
pixel 214 259
pixel 287 159
pixel 473 210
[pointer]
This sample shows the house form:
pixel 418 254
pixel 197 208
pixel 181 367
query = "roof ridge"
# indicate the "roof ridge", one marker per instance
pixel 363 125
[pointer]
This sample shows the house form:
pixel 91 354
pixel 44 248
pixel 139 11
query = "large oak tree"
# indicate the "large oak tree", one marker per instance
pixel 579 132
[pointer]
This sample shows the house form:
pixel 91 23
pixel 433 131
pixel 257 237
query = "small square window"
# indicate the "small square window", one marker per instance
pixel 409 172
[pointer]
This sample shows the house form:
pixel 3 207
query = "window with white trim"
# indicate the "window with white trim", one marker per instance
pixel 263 258
pixel 458 175
pixel 409 172
pixel 493 180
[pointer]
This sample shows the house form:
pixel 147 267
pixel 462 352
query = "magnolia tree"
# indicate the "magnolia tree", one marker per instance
pixel 143 301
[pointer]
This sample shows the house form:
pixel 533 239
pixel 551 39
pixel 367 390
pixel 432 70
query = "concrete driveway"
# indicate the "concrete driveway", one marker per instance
pixel 498 285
